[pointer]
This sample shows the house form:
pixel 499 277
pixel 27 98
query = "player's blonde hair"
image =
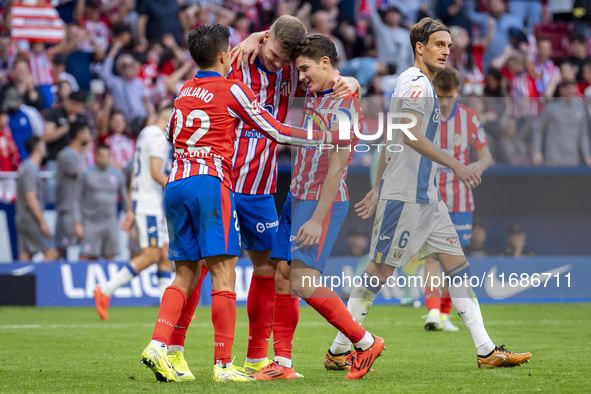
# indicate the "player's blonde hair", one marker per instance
pixel 422 30
pixel 289 32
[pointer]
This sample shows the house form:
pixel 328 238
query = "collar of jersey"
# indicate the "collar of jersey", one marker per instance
pixel 324 93
pixel 453 112
pixel 206 74
pixel 259 64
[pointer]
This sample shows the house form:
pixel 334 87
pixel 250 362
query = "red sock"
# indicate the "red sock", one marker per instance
pixel 180 329
pixel 286 314
pixel 223 316
pixel 173 301
pixel 329 305
pixel 261 299
pixel 432 295
pixel 446 303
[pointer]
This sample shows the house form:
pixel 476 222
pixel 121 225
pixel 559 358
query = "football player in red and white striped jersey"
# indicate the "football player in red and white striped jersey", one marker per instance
pixel 461 131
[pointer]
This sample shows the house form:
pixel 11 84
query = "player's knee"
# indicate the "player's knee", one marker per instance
pixel 283 280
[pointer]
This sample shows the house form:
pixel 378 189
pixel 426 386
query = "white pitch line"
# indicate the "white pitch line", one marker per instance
pixel 106 325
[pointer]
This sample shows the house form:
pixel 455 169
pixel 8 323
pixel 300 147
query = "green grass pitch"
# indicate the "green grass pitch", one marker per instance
pixel 72 350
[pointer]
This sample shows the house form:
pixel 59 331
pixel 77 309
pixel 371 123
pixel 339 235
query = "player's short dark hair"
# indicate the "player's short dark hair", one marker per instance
pixel 447 79
pixel 422 30
pixel 207 42
pixel 316 47
pixel 289 32
pixel 31 143
pixel 102 145
pixel 77 127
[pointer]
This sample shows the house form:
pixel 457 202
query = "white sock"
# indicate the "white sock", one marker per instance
pixel 360 301
pixel 466 304
pixel 121 278
pixel 365 342
pixel 172 349
pixel 255 360
pixel 159 345
pixel 285 362
pixel 224 366
pixel 163 283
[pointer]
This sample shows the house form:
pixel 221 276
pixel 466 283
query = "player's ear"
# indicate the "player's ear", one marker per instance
pixel 266 37
pixel 419 47
pixel 325 62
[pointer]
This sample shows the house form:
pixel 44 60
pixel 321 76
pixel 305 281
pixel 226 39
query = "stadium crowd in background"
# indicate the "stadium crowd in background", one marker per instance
pixel 120 60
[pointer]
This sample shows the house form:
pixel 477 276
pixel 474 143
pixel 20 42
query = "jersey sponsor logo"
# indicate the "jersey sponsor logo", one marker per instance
pixel 261 227
pixel 398 253
pixel 384 237
pixel 436 115
pixel 253 134
pixel 466 237
pixel 152 229
pixel 292 238
pixel 457 139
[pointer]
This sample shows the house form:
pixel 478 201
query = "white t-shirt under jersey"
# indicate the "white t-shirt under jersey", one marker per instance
pixel 147 194
pixel 409 176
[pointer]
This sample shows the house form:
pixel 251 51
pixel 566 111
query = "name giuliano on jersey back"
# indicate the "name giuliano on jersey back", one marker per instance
pixel 409 176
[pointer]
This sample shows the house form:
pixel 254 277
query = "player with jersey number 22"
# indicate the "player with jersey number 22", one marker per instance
pixel 198 198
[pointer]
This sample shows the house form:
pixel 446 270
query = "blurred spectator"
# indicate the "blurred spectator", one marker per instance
pixel 5 57
pixel 33 232
pixel 477 247
pixel 41 69
pixel 127 89
pixel 9 159
pixel 409 9
pixel 513 147
pixel 568 70
pixel 98 191
pixel 504 22
pixel 242 29
pixel 80 55
pixel 59 120
pixel 22 80
pixel 24 121
pixel 60 74
pixel 563 135
pixel 494 84
pixel 357 242
pixel 516 242
pixel 579 56
pixel 454 13
pixel 122 147
pixel 392 41
pixel 365 69
pixel 322 23
pixel 526 10
pixel 88 15
pixel 547 74
pixel 70 164
pixel 467 58
pixel 156 18
pixel 585 85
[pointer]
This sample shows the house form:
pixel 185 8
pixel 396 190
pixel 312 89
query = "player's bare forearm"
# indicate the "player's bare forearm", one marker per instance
pixel 337 163
pixel 156 171
pixel 34 206
pixel 380 170
pixel 468 176
pixel 484 159
pixel 425 147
